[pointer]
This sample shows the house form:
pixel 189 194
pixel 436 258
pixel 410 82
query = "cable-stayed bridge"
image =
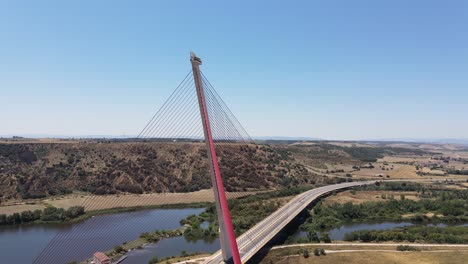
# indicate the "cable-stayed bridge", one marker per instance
pixel 258 236
pixel 194 114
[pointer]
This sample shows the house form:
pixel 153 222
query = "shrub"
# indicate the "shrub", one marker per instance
pixel 119 249
pixel 325 238
pixel 153 260
pixel 312 236
pixel 407 248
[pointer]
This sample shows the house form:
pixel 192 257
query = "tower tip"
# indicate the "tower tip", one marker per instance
pixel 194 58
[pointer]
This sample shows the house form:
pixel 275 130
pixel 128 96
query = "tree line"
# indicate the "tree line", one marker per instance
pixel 48 215
pixel 430 234
pixel 448 206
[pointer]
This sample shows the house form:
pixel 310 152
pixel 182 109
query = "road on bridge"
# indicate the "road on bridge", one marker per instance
pixel 258 236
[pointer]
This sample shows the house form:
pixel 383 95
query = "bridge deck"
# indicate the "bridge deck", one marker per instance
pixel 255 238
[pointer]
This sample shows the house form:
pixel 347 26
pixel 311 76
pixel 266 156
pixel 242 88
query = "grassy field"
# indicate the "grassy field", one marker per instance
pixel 396 159
pixel 404 172
pixel 428 171
pixel 11 209
pixel 395 171
pixel 382 254
pixel 454 257
pixel 367 196
pixel 181 259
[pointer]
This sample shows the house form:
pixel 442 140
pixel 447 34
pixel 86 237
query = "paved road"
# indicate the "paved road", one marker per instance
pixel 372 245
pixel 256 237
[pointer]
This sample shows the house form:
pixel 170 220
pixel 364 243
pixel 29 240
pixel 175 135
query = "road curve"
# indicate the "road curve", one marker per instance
pixel 256 237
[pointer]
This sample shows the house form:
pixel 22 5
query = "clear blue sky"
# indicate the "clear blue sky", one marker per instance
pixel 328 69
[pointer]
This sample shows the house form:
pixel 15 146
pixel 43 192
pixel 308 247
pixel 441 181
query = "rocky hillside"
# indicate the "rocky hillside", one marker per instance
pixel 35 170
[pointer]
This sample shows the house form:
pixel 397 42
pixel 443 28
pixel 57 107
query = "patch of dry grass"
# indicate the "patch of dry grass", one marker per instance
pixel 11 209
pixel 367 196
pixel 430 215
pixel 452 176
pixel 404 172
pixel 396 159
pixel 186 259
pixel 372 257
pixel 432 172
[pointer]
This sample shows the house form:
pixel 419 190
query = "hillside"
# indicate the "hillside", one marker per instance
pixel 40 168
pixel 36 170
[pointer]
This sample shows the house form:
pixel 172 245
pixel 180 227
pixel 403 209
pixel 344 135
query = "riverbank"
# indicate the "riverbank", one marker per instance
pixel 90 214
pixel 428 234
pixel 245 211
pixel 77 214
pixel 138 244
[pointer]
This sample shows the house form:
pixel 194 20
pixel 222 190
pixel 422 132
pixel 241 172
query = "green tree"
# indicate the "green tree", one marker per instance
pixel 37 214
pixel 27 216
pixel 3 219
pixel 325 238
pixel 74 211
pixel 16 218
pixel 119 249
pixel 312 236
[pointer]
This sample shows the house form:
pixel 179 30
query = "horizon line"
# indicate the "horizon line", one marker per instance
pixel 274 138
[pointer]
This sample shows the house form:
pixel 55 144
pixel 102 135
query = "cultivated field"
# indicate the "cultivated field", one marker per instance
pixel 405 159
pixel 380 170
pixel 404 172
pixel 94 202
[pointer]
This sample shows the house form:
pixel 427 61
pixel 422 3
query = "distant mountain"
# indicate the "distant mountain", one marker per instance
pixel 64 136
pixel 134 136
pixel 424 140
pixel 285 138
pixel 460 141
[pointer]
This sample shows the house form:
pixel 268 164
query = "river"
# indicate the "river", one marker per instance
pixel 340 232
pixel 77 242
